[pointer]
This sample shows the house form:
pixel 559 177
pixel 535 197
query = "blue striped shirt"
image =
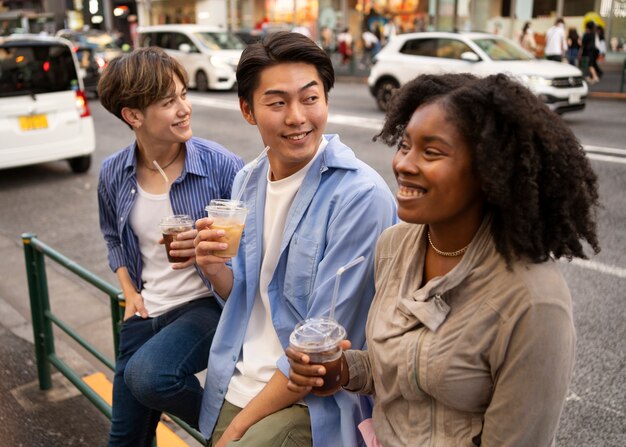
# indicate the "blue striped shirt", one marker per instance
pixel 208 174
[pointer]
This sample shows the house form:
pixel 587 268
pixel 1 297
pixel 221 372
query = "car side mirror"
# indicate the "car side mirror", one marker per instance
pixel 185 48
pixel 470 56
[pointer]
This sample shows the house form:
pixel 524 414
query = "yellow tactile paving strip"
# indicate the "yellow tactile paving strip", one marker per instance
pixel 104 388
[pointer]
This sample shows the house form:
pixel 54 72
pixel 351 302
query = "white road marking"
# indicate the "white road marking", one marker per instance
pixel 375 124
pixel 599 267
pixel 603 155
pixel 576 398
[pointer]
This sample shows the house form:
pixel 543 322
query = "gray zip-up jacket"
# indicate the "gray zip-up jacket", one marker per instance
pixel 480 356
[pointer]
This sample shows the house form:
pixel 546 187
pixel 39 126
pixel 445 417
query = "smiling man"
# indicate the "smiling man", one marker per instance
pixel 314 207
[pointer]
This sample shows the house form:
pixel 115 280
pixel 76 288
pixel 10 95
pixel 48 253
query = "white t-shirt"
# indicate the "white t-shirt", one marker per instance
pixel 369 39
pixel 261 346
pixel 163 287
pixel 555 41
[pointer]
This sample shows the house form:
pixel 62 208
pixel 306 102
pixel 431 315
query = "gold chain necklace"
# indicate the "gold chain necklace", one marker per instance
pixel 448 254
pixel 180 149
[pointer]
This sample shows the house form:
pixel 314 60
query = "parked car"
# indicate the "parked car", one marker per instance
pixel 44 115
pixel 210 55
pixel 560 86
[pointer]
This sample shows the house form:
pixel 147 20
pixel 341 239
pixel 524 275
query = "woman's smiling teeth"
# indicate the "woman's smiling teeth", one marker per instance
pixel 297 137
pixel 406 191
pixel 182 123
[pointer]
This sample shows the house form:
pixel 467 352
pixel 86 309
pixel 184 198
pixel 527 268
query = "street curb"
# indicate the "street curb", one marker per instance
pixel 607 95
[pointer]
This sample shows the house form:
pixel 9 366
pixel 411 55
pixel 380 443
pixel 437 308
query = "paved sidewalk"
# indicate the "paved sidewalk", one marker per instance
pixel 61 416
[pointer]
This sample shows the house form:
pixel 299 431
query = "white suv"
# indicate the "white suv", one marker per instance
pixel 43 111
pixel 209 55
pixel 560 86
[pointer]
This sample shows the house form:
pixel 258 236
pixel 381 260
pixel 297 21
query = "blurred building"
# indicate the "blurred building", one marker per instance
pixel 500 16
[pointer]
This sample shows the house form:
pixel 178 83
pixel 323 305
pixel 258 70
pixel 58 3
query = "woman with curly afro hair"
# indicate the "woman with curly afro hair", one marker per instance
pixel 470 336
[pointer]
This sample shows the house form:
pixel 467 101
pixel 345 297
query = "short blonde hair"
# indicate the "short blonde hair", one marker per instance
pixel 138 79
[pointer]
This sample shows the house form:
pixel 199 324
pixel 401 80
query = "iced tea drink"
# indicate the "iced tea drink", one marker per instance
pixel 320 339
pixel 170 227
pixel 230 216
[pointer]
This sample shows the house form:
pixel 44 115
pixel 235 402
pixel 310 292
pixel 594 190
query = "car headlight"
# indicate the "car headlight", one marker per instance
pixel 537 80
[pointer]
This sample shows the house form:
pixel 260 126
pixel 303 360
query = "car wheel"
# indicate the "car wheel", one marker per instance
pixel 202 82
pixel 384 91
pixel 80 165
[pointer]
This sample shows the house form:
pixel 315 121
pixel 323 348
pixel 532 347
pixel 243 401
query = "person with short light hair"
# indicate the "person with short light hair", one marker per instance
pixel 170 311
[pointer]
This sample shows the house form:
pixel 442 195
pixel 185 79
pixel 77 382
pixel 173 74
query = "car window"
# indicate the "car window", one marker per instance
pixel 164 40
pixel 420 47
pixel 451 48
pixel 147 40
pixel 180 38
pixel 35 68
pixel 502 50
pixel 220 40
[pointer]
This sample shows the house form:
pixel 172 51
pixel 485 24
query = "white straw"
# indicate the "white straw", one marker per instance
pixel 253 165
pixel 167 180
pixel 340 271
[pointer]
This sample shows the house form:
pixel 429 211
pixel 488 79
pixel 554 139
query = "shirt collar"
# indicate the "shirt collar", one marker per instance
pixel 193 160
pixel 338 155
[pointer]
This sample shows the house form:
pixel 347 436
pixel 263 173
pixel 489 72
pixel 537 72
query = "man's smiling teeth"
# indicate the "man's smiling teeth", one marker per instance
pixel 410 192
pixel 182 123
pixel 297 137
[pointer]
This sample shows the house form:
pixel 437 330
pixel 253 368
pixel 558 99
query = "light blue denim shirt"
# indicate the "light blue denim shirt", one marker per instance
pixel 337 215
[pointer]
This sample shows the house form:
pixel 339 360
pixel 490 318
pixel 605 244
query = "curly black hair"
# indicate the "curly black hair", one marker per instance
pixel 539 185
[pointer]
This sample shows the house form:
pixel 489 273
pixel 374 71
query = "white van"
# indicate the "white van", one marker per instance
pixel 43 111
pixel 210 55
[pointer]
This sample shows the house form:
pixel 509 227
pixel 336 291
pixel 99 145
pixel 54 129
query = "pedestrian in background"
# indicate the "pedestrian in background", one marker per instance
pixel 600 43
pixel 556 43
pixel 527 38
pixel 371 46
pixel 573 46
pixel 344 41
pixel 171 313
pixel 389 29
pixel 589 54
pixel 470 337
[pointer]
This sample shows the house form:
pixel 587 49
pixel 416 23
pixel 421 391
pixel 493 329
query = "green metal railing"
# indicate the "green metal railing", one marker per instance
pixel 35 252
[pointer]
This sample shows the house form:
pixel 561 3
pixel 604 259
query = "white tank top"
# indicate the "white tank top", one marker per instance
pixel 163 287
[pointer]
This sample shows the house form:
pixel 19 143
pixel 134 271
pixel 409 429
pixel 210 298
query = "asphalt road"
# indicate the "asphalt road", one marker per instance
pixel 61 208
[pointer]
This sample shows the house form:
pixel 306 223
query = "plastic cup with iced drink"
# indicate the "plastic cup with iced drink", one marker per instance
pixel 170 227
pixel 320 339
pixel 230 216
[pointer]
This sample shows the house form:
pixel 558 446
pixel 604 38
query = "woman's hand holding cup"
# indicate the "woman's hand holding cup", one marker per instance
pixel 304 376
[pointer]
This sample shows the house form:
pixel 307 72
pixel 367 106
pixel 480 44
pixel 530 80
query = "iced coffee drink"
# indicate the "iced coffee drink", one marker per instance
pixel 229 216
pixel 170 227
pixel 320 339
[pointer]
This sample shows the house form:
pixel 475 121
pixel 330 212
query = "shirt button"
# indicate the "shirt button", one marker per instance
pixel 121 219
pixel 132 191
pixel 221 391
pixel 234 358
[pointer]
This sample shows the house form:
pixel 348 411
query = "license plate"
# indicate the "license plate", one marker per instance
pixel 33 122
pixel 574 98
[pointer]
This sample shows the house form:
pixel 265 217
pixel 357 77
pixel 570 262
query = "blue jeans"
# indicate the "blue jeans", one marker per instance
pixel 155 369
